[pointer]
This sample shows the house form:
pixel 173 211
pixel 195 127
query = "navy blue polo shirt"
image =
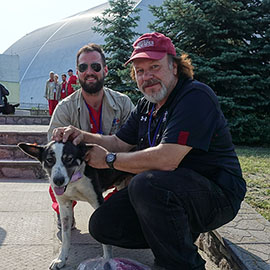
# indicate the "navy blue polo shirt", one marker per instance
pixel 191 116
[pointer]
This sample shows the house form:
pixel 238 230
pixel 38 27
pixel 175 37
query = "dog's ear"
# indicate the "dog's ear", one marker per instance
pixel 84 148
pixel 32 150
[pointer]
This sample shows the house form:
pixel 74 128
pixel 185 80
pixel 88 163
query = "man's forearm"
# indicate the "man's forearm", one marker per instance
pixel 153 158
pixel 110 142
pixel 95 139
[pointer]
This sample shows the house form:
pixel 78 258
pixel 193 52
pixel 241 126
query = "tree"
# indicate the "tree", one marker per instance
pixel 229 44
pixel 117 26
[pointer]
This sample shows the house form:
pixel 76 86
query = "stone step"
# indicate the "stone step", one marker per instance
pixel 13 152
pixel 22 119
pixel 14 137
pixel 22 169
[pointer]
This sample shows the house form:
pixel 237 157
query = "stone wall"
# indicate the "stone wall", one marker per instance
pixel 216 251
pixel 24 120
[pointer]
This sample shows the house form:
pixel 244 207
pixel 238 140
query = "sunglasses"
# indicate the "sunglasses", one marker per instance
pixel 95 66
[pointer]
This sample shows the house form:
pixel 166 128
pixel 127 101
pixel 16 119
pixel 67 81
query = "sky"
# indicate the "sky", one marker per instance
pixel 20 17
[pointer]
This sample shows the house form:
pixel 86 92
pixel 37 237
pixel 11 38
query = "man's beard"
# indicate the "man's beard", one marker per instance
pixel 155 97
pixel 92 88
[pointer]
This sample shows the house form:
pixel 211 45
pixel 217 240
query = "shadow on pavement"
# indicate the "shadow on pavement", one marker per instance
pixel 3 234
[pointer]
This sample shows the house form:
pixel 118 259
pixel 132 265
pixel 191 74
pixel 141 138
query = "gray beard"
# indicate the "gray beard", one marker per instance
pixel 156 97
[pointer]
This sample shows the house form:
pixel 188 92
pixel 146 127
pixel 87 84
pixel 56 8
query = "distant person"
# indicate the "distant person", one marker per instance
pixel 5 107
pixel 72 80
pixel 64 86
pixel 49 94
pixel 3 93
pixel 57 86
pixel 52 91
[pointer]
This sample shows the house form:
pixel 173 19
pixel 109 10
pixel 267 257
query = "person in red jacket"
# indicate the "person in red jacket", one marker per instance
pixel 72 80
pixel 64 86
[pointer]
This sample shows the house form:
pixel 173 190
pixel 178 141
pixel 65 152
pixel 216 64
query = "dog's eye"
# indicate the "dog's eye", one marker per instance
pixel 68 159
pixel 50 160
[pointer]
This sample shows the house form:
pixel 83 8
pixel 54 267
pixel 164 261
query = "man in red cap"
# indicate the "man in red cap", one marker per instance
pixel 187 179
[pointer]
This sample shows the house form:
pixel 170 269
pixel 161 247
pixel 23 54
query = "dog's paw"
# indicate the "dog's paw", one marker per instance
pixel 57 264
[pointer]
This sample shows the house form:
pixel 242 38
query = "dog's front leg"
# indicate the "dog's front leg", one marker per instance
pixel 107 251
pixel 66 222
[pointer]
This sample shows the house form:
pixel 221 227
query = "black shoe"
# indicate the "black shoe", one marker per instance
pixel 73 226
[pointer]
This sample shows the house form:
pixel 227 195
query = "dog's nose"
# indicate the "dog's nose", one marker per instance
pixel 59 181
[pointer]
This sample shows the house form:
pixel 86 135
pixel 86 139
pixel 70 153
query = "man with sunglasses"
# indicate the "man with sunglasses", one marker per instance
pixel 93 108
pixel 188 178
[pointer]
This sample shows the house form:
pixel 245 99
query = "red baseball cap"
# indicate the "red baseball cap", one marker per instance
pixel 152 46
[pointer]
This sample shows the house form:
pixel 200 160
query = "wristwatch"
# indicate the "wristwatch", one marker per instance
pixel 110 159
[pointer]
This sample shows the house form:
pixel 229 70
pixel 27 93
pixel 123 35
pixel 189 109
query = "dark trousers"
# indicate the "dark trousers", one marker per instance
pixel 165 211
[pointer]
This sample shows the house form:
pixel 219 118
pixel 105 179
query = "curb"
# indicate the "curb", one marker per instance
pixel 243 243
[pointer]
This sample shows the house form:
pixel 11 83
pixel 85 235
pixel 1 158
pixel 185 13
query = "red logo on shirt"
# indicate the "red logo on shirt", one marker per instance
pixel 183 137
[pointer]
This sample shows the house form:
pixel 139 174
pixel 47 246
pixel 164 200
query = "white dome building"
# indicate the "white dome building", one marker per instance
pixel 54 47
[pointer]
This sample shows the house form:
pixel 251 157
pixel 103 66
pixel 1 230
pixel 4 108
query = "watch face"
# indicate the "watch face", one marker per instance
pixel 110 157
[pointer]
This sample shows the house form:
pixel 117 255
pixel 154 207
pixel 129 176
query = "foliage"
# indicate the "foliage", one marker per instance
pixel 229 44
pixel 117 24
pixel 134 95
pixel 76 86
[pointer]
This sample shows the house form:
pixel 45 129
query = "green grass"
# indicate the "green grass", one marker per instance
pixel 255 163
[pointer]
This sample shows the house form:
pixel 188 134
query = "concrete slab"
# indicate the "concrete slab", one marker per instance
pixel 24 128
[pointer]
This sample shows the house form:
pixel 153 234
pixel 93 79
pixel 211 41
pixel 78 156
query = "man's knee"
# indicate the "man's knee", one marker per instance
pixel 139 186
pixel 145 190
pixel 96 227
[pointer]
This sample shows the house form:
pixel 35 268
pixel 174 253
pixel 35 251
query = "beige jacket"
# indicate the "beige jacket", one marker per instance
pixel 72 110
pixel 51 88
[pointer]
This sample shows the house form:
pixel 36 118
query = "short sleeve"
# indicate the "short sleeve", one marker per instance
pixel 127 108
pixel 129 131
pixel 193 121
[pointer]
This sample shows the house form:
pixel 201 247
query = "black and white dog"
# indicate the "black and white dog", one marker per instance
pixel 72 179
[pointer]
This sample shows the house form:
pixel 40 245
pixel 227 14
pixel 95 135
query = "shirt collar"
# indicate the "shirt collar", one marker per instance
pixel 107 99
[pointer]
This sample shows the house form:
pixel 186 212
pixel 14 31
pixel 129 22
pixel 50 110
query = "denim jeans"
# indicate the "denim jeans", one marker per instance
pixel 164 211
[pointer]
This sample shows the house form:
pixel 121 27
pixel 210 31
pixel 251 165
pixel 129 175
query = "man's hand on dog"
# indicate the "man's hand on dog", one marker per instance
pixel 95 157
pixel 68 133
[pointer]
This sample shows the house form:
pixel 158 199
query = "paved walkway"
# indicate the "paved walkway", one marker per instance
pixel 29 235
